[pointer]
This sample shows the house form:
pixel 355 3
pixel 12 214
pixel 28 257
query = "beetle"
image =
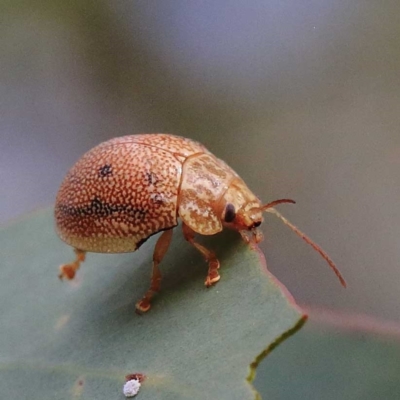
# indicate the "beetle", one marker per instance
pixel 129 188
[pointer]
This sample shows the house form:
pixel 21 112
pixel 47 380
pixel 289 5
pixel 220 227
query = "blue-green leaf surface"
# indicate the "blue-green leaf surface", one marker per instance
pixel 332 362
pixel 78 340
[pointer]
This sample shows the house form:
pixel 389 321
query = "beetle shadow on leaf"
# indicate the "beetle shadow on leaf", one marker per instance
pixel 183 267
pixel 183 274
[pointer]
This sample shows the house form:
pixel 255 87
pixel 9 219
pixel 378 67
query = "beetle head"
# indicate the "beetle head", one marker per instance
pixel 242 211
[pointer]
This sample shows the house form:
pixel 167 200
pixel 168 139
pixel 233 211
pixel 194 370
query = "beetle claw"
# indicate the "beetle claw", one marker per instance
pixel 212 280
pixel 143 306
pixel 67 271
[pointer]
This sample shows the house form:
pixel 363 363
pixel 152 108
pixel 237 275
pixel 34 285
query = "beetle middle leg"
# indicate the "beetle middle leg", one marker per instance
pixel 67 271
pixel 213 263
pixel 161 248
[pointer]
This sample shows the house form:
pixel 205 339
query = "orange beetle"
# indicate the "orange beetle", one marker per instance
pixel 127 189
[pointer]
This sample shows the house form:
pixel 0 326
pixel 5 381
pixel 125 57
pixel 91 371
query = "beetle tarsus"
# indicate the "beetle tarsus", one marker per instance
pixel 143 306
pixel 68 271
pixel 213 276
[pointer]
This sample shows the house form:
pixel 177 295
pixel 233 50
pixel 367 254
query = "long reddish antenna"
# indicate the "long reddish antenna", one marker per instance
pixel 306 239
pixel 276 202
pixel 272 204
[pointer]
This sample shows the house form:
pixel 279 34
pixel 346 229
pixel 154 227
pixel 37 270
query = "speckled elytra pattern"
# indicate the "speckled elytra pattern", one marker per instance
pixel 122 191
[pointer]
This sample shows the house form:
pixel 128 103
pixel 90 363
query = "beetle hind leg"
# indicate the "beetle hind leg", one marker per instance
pixel 67 271
pixel 161 248
pixel 213 263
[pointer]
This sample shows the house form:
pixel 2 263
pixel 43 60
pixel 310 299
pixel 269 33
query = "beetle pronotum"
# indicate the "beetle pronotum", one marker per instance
pixel 127 189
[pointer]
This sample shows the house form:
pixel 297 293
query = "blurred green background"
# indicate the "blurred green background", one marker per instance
pixel 301 98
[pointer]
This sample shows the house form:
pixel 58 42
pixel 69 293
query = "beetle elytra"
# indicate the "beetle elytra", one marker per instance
pixel 129 188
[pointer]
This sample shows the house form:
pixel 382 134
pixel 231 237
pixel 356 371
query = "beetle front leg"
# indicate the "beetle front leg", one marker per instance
pixel 213 263
pixel 161 248
pixel 67 271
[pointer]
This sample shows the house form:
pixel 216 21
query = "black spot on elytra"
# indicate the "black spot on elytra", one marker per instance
pixel 158 198
pixel 105 170
pixel 152 178
pixel 101 209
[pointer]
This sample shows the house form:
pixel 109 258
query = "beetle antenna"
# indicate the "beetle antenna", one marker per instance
pixel 272 204
pixel 306 239
pixel 276 202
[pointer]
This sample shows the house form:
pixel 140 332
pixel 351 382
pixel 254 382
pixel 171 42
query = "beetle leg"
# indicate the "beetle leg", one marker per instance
pixel 213 263
pixel 68 271
pixel 161 248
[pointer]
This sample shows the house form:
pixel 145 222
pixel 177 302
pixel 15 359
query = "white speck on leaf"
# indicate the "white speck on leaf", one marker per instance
pixel 131 388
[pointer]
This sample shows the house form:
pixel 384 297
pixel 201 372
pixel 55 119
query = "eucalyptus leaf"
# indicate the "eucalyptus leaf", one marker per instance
pixel 78 339
pixel 333 363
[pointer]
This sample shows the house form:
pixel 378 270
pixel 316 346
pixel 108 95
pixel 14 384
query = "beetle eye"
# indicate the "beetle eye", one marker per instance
pixel 257 224
pixel 230 213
